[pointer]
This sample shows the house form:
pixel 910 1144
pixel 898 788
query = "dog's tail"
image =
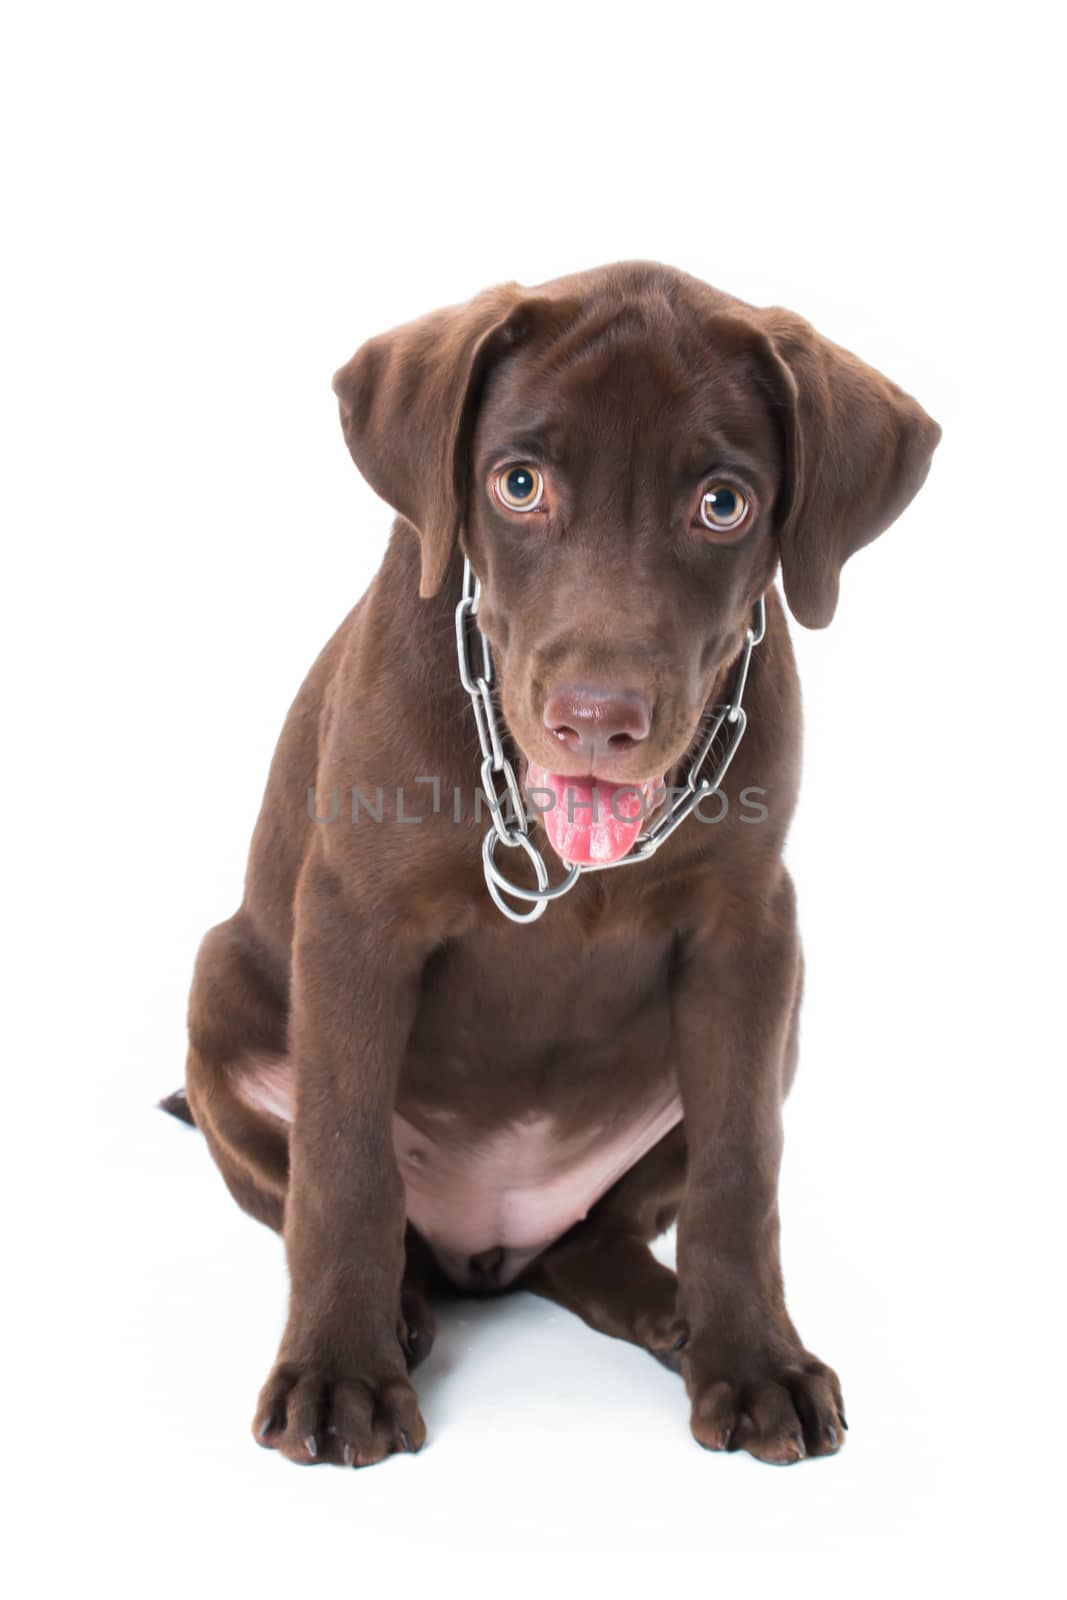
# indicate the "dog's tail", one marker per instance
pixel 178 1106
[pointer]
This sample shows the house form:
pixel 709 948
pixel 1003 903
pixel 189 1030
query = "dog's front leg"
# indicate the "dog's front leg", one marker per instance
pixel 339 1390
pixel 752 1384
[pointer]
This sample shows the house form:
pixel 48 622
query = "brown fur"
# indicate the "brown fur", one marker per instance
pixel 367 966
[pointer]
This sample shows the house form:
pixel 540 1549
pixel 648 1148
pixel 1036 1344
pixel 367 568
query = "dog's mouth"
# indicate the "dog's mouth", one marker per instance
pixel 591 822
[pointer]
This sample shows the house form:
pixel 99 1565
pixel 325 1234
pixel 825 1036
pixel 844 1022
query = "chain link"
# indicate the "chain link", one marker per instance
pixel 510 825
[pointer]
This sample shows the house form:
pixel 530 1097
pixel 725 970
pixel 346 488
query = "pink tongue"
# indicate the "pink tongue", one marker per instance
pixel 587 820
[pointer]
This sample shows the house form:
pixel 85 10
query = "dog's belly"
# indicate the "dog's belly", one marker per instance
pixel 489 1202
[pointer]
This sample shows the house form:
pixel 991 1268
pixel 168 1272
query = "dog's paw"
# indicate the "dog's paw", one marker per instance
pixel 662 1333
pixel 781 1412
pixel 314 1414
pixel 415 1330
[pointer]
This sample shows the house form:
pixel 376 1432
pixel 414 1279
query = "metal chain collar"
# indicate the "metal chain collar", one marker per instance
pixel 510 825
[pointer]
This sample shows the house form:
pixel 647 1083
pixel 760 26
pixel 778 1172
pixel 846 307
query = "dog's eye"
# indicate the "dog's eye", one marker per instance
pixel 723 508
pixel 521 488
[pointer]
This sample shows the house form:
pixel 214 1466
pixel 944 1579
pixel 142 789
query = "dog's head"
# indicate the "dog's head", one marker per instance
pixel 626 456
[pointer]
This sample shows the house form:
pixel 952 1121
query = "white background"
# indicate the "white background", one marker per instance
pixel 207 209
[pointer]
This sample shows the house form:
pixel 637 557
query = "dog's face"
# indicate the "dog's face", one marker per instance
pixel 620 508
pixel 626 456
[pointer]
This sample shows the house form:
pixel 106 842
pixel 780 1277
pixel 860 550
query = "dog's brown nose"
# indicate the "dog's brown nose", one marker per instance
pixel 596 723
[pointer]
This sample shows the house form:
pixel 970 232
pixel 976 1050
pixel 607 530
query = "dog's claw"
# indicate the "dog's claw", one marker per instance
pixel 311 1445
pixel 348 1455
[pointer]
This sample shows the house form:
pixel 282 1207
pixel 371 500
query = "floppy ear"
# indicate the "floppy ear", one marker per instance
pixel 407 402
pixel 857 452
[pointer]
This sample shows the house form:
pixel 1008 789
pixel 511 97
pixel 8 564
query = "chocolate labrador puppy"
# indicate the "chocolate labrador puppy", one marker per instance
pixel 514 985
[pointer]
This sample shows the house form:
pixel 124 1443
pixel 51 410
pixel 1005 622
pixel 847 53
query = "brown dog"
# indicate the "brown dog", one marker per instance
pixel 387 1068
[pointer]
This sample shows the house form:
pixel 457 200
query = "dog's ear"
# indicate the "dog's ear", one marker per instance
pixel 408 400
pixel 857 451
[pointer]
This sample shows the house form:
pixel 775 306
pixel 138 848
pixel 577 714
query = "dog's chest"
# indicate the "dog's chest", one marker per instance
pixel 539 1072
